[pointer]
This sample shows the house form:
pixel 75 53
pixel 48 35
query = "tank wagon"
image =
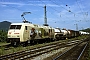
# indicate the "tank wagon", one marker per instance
pixel 84 33
pixel 64 34
pixel 58 33
pixel 29 33
pixel 61 33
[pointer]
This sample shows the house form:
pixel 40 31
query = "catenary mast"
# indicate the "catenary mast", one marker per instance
pixel 45 17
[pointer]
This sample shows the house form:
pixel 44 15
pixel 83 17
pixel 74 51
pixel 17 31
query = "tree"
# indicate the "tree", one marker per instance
pixel 3 35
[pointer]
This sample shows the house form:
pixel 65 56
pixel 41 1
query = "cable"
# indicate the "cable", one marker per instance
pixel 62 7
pixel 80 9
pixel 54 9
pixel 86 13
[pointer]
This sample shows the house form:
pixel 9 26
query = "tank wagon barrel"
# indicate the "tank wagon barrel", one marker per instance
pixel 84 33
pixel 64 34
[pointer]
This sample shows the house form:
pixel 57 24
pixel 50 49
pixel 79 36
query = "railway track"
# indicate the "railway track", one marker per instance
pixel 30 53
pixel 74 53
pixel 9 46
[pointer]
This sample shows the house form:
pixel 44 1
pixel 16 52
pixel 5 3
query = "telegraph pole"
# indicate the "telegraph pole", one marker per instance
pixel 45 17
pixel 76 27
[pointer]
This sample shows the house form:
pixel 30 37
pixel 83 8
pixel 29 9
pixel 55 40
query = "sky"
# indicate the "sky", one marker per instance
pixel 69 14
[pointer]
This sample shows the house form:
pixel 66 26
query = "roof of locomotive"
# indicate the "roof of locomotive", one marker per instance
pixel 35 25
pixel 19 23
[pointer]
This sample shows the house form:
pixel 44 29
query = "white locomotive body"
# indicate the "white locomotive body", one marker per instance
pixel 27 32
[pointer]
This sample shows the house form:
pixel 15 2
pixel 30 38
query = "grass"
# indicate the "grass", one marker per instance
pixel 20 48
pixel 81 37
pixel 3 43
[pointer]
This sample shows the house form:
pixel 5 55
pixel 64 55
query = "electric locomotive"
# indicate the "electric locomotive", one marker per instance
pixel 29 33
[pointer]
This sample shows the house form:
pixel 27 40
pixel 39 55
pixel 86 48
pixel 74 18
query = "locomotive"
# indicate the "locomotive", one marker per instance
pixel 29 33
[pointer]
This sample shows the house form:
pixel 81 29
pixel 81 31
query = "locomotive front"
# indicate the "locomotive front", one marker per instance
pixel 14 34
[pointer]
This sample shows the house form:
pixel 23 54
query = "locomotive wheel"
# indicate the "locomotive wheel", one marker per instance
pixel 24 44
pixel 15 43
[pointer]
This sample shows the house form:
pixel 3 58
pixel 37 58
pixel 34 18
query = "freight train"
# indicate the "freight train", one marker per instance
pixel 23 33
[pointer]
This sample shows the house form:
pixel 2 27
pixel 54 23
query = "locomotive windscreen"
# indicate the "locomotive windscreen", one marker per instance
pixel 15 27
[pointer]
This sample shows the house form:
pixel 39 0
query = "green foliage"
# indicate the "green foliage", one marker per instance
pixel 3 36
pixel 4 26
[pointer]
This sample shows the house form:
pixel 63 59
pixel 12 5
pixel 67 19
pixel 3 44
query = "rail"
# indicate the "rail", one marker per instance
pixel 66 53
pixel 27 54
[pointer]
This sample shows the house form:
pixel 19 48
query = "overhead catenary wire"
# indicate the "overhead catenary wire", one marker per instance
pixel 46 4
pixel 85 13
pixel 33 13
pixel 51 8
pixel 62 6
pixel 56 10
pixel 80 9
pixel 15 7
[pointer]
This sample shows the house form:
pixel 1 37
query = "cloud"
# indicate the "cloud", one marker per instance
pixel 11 3
pixel 3 5
pixel 31 4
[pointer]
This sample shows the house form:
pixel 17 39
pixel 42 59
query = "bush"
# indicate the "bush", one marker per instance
pixel 3 35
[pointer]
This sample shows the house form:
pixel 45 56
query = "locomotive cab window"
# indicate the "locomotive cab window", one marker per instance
pixel 15 27
pixel 18 27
